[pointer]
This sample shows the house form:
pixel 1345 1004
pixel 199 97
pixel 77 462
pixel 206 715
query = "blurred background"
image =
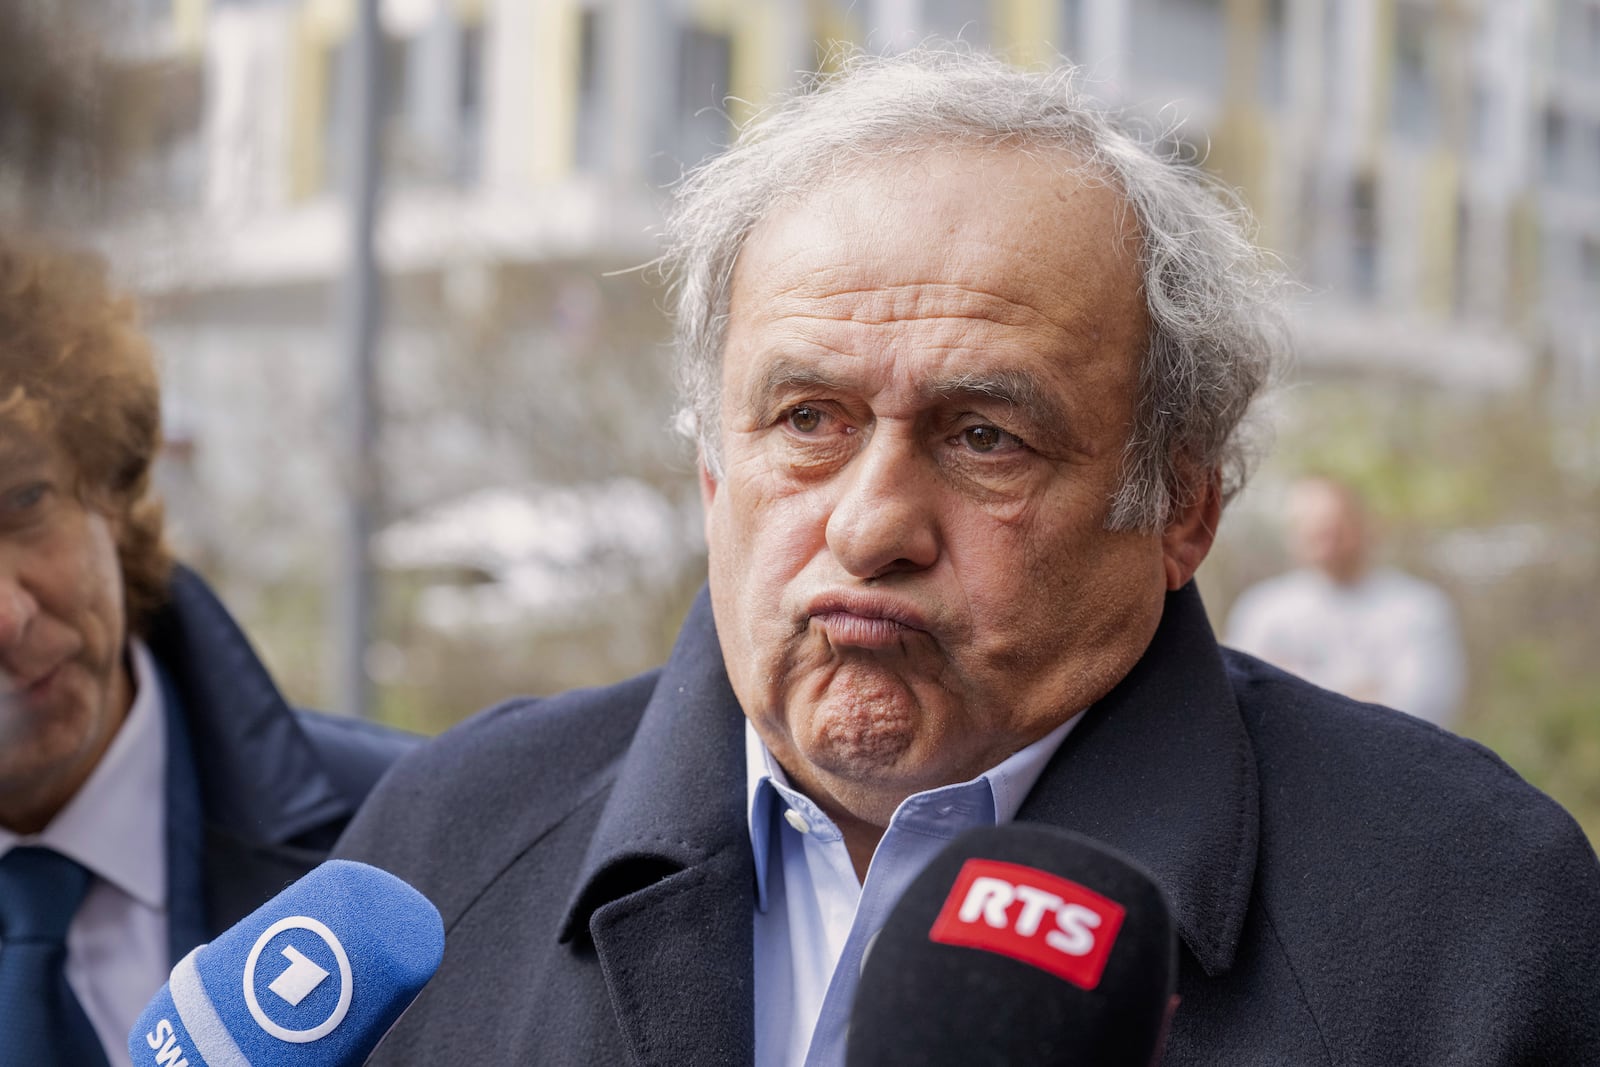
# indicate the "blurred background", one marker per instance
pixel 1428 169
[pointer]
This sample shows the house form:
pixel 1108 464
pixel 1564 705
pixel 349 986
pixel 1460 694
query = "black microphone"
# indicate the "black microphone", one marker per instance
pixel 312 978
pixel 1019 944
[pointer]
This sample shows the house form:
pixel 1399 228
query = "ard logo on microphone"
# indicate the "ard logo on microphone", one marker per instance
pixel 297 980
pixel 1029 915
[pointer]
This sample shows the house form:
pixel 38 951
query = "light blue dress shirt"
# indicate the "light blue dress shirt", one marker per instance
pixel 815 921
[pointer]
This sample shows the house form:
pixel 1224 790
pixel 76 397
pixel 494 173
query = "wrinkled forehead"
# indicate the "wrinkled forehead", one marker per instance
pixel 1033 234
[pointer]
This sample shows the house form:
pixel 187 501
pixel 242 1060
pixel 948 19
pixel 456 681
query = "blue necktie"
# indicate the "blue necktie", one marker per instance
pixel 41 1021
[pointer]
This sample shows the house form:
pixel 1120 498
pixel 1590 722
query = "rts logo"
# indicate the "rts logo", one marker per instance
pixel 1031 916
pixel 297 980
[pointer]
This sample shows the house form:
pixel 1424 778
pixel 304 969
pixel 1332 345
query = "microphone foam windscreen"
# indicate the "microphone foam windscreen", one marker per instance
pixel 1019 944
pixel 315 976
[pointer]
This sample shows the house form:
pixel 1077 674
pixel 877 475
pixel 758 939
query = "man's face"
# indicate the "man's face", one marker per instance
pixel 929 379
pixel 1327 530
pixel 64 690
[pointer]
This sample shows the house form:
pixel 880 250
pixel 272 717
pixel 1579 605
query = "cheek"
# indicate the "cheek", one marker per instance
pixel 753 551
pixel 1057 579
pixel 762 538
pixel 1019 554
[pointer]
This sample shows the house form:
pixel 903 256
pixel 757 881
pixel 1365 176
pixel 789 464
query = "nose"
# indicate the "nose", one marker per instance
pixel 885 517
pixel 17 609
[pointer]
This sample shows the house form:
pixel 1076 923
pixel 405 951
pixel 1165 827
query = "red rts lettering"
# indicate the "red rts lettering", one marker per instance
pixel 1032 916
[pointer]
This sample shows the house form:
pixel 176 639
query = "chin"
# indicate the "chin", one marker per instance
pixel 864 720
pixel 871 772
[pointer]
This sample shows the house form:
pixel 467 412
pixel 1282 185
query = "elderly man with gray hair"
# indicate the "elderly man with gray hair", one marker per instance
pixel 968 366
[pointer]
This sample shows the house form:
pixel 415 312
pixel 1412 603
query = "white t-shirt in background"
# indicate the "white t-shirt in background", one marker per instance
pixel 1387 638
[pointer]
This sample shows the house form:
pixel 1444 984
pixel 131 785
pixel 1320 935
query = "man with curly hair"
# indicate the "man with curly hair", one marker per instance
pixel 154 785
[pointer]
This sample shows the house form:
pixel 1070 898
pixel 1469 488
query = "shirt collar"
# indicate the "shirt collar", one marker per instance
pixel 115 824
pixel 1003 786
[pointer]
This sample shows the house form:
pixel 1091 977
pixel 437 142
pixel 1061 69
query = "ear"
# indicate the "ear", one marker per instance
pixel 1187 538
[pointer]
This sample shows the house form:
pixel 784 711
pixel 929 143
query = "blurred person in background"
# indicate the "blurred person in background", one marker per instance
pixel 1370 632
pixel 966 365
pixel 155 787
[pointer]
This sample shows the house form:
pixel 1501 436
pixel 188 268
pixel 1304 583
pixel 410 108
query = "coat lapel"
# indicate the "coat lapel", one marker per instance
pixel 244 781
pixel 666 892
pixel 187 919
pixel 260 778
pixel 1162 770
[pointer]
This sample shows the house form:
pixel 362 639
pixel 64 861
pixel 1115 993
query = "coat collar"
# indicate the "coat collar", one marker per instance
pixel 260 778
pixel 1161 769
pixel 674 804
pixel 667 886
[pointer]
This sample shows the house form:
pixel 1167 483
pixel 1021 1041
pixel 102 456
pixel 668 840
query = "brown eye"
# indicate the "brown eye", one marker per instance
pixel 982 438
pixel 805 419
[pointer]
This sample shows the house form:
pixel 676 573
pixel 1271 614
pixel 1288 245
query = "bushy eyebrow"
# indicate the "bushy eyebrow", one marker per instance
pixel 1012 388
pixel 785 375
pixel 1015 389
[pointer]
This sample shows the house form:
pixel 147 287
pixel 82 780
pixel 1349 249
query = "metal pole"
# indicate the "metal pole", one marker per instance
pixel 357 326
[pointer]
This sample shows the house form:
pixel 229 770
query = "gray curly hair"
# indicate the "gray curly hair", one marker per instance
pixel 1217 328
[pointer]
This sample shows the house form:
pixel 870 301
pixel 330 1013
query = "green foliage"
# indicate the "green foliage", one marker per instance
pixel 1543 718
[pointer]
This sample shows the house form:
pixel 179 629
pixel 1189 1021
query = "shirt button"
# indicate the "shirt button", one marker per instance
pixel 796 820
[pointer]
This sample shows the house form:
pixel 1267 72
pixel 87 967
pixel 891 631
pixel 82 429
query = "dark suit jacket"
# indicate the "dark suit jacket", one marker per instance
pixel 1351 886
pixel 257 792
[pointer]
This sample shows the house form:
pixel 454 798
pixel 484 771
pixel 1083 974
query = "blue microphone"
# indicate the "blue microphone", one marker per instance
pixel 312 978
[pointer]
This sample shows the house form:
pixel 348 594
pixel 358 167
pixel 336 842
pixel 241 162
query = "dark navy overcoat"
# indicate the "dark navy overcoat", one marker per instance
pixel 1351 885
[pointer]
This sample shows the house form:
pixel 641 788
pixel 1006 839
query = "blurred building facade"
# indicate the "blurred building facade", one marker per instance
pixel 1429 168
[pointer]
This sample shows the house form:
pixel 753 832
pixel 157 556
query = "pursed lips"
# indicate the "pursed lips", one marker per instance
pixel 865 621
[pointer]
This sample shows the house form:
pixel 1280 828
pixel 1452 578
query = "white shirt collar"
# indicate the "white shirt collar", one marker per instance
pixel 115 825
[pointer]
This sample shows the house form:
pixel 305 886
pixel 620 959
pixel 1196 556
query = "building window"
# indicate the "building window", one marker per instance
pixel 1365 237
pixel 1589 263
pixel 1461 280
pixel 1274 53
pixel 1412 105
pixel 339 132
pixel 1481 119
pixel 338 127
pixel 1594 154
pixel 1180 45
pixel 705 66
pixel 394 86
pixel 1072 39
pixel 1577 31
pixel 1555 145
pixel 966 20
pixel 469 105
pixel 469 89
pixel 590 150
